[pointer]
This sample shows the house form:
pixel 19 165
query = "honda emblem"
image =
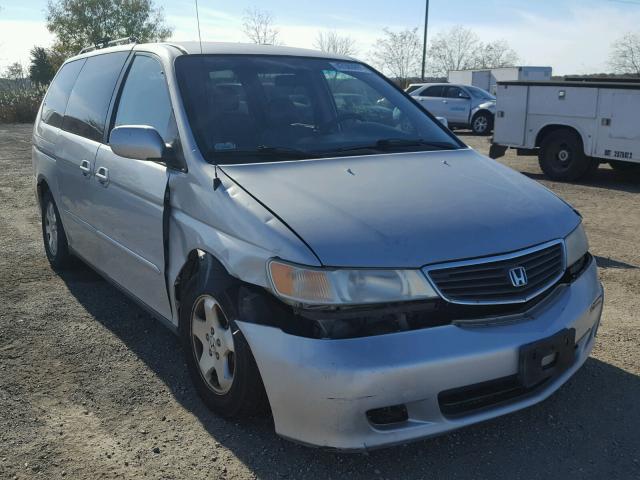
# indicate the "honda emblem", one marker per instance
pixel 518 277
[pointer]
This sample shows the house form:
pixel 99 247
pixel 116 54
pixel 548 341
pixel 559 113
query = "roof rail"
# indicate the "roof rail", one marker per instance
pixel 106 42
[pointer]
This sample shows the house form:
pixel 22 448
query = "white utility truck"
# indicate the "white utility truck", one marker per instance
pixel 572 126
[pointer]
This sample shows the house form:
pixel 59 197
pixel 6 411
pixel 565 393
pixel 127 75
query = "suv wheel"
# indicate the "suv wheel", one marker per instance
pixel 53 235
pixel 482 123
pixel 218 357
pixel 562 156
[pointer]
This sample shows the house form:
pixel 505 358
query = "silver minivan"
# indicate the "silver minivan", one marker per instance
pixel 324 248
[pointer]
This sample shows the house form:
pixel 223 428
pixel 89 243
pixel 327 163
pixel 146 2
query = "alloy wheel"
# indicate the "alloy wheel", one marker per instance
pixel 51 229
pixel 213 345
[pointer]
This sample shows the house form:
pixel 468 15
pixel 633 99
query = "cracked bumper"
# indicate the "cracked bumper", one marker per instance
pixel 320 390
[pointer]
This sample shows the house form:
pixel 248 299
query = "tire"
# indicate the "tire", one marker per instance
pixel 482 123
pixel 229 382
pixel 625 167
pixel 53 234
pixel 562 156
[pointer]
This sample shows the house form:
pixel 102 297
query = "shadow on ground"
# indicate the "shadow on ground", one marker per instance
pixel 602 178
pixel 589 429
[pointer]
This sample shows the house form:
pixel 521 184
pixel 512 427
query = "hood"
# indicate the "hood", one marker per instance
pixel 487 105
pixel 408 209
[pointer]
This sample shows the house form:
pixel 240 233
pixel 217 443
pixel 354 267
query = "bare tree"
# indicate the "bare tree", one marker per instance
pixel 398 54
pixel 333 43
pixel 258 25
pixel 455 49
pixel 625 54
pixel 15 71
pixel 496 54
pixel 461 49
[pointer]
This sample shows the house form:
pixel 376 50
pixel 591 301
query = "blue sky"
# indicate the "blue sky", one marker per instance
pixel 573 36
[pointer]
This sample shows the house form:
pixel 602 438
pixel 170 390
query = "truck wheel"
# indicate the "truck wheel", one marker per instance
pixel 562 156
pixel 218 357
pixel 53 235
pixel 482 123
pixel 626 167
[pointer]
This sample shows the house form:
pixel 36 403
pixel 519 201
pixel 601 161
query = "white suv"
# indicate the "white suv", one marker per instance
pixel 462 105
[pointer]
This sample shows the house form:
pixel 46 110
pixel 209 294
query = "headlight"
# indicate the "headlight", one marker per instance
pixel 320 286
pixel 576 244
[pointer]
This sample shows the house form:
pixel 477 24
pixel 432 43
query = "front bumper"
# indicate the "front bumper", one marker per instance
pixel 320 390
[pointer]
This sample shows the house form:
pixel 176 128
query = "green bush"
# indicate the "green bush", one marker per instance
pixel 20 105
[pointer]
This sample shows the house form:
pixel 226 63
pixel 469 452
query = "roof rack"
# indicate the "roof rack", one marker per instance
pixel 106 42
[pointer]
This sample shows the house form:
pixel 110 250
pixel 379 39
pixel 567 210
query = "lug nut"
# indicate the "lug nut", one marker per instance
pixel 218 342
pixel 217 356
pixel 210 353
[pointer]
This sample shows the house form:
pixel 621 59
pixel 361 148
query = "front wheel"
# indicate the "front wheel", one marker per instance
pixel 218 357
pixel 482 123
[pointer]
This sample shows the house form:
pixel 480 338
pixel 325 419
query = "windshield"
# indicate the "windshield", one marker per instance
pixel 250 108
pixel 480 93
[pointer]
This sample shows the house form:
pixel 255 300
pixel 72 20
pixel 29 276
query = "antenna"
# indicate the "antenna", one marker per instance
pixel 198 20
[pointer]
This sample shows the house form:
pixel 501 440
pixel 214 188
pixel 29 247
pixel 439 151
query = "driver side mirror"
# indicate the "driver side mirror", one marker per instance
pixel 139 142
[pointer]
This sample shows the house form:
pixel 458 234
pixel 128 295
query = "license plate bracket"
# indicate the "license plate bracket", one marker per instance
pixel 546 358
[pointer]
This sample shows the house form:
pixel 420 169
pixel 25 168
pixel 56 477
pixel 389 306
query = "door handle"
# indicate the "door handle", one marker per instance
pixel 102 174
pixel 444 101
pixel 85 166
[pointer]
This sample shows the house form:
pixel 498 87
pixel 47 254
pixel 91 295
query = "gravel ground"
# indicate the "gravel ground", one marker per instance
pixel 92 387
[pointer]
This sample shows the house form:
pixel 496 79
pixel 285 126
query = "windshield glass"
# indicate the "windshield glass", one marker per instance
pixel 480 93
pixel 250 108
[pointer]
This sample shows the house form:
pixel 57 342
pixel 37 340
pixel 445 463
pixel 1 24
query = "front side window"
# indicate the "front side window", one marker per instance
pixel 89 100
pixel 246 108
pixel 456 92
pixel 145 98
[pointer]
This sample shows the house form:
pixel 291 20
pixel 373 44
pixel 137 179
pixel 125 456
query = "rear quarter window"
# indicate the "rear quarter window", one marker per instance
pixel 89 100
pixel 57 96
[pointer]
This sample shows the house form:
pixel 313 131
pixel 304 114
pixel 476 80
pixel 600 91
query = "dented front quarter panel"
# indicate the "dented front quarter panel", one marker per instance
pixel 230 225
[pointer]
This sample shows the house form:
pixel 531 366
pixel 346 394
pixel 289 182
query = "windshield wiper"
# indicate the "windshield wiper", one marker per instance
pixel 387 144
pixel 265 151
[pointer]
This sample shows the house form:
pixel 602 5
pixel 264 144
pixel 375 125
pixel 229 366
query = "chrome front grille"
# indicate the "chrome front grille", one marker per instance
pixel 488 280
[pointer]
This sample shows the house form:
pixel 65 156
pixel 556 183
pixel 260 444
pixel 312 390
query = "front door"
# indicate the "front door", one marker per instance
pixel 457 105
pixel 130 193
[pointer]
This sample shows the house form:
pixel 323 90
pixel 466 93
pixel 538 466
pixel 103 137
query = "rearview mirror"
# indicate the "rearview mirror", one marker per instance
pixel 139 142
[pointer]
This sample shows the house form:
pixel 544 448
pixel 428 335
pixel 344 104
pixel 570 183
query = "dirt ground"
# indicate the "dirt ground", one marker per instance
pixel 92 387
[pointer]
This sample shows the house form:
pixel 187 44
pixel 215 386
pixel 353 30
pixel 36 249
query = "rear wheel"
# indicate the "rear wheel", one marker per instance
pixel 482 123
pixel 53 235
pixel 562 156
pixel 219 359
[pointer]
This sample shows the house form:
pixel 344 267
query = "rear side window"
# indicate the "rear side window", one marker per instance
pixel 55 102
pixel 89 101
pixel 435 91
